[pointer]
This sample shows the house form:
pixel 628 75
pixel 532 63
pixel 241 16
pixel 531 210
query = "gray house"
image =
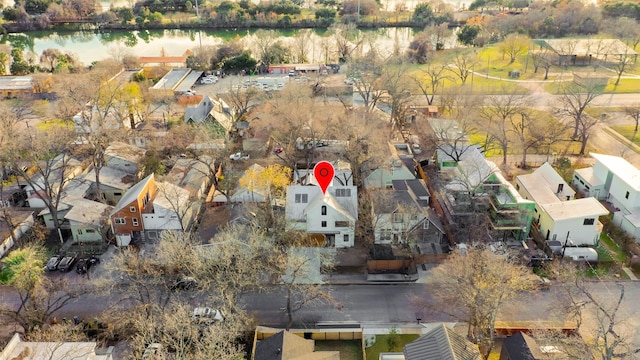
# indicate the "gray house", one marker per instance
pixel 441 343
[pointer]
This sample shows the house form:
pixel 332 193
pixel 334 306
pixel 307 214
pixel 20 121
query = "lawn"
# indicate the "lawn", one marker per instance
pixel 625 86
pixel 349 349
pixel 627 131
pixel 382 345
pixel 49 124
pixel 608 242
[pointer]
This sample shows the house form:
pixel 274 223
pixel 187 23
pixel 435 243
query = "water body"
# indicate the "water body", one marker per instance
pixel 90 46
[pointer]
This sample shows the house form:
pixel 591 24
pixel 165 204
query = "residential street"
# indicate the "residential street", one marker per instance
pixel 378 305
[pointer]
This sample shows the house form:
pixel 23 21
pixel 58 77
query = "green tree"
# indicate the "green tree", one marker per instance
pixel 38 299
pixel 422 13
pixel 126 15
pixel 241 62
pixel 325 13
pixel 4 58
pixel 19 65
pixel 468 34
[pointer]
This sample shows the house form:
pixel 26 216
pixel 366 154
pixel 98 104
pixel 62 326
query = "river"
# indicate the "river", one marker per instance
pixel 90 46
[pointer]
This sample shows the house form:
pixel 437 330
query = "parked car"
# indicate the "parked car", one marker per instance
pixel 67 263
pixel 207 315
pixel 52 264
pixel 416 148
pixel 205 81
pixel 239 156
pixel 292 72
pixel 185 283
pixel 190 92
pixel 278 149
pixel 84 265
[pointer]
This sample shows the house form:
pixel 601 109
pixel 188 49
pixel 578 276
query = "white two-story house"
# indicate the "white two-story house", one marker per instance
pixel 557 215
pixel 614 180
pixel 331 216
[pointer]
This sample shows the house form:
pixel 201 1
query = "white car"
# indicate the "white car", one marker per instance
pixel 239 156
pixel 416 148
pixel 207 314
pixel 205 81
pixel 190 92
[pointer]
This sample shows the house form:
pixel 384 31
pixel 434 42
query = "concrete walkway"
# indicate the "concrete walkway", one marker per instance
pixel 629 273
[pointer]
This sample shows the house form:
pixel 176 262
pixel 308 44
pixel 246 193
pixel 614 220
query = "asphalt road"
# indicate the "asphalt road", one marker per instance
pixel 367 304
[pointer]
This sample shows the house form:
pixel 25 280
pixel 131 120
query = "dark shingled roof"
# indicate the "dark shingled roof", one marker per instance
pixel 522 347
pixel 283 345
pixel 441 343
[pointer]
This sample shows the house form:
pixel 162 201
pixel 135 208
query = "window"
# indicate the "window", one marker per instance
pixel 134 222
pixel 589 221
pixel 79 231
pixel 576 177
pixel 90 231
pixel 301 198
pixel 396 217
pixel 342 224
pixel 132 209
pixel 117 194
pixel 120 221
pixel 560 187
pixel 587 187
pixel 535 210
pixel 517 186
pixel 324 209
pixel 581 182
pixel 343 192
pixel 346 237
pixel 626 196
pixel 323 224
pixel 385 235
pixel 425 224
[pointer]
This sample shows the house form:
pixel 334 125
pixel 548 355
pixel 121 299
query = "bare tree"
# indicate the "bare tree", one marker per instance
pixel 189 339
pixel 575 99
pixel 301 43
pixel 434 77
pixel 498 111
pixel 242 101
pixel 302 280
pixel 624 62
pixel 463 65
pixel 367 72
pixel 46 173
pixel 395 83
pixel 634 113
pixel 522 128
pixel 451 137
pixel 101 109
pixel 598 316
pixel 473 286
pixel 541 59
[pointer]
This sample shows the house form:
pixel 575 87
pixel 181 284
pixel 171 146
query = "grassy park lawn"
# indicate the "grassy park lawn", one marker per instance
pixel 382 345
pixel 625 86
pixel 628 131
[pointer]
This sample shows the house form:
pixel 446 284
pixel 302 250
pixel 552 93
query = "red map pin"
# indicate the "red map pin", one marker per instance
pixel 324 171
